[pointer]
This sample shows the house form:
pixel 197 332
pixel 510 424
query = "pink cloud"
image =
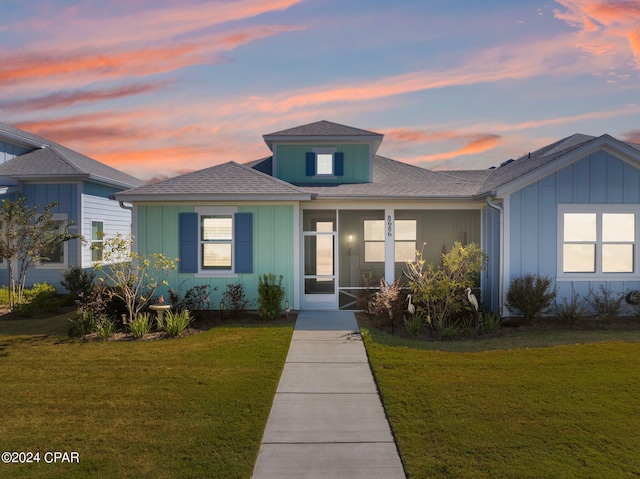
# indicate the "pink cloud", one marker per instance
pixel 604 25
pixel 63 99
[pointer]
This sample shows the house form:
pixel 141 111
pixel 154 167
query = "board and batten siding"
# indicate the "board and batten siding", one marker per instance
pixel 600 178
pixel 9 151
pixel 273 246
pixel 115 220
pixel 291 163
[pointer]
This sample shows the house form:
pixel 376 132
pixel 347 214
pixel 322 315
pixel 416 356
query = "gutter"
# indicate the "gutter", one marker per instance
pixel 500 210
pixel 121 203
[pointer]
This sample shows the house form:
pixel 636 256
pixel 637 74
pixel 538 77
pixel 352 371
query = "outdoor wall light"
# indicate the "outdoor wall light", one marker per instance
pixel 349 240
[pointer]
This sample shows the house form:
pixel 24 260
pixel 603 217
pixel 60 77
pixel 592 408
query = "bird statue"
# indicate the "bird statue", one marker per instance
pixel 411 308
pixel 473 300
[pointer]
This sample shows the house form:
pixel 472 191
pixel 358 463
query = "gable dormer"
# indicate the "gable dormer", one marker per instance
pixel 323 153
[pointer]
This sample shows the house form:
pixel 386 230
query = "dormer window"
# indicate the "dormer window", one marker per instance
pixel 325 163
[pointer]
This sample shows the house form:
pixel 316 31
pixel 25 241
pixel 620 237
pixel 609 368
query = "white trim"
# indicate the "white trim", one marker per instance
pixel 389 245
pixel 297 241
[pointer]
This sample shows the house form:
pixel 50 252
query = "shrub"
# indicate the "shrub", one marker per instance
pixel 105 327
pixel 607 304
pixel 78 280
pixel 530 294
pixel 83 323
pixel 571 310
pixel 141 325
pixel 413 324
pixel 270 296
pixel 491 322
pixel 235 299
pixel 387 302
pixel 174 323
pixel 445 328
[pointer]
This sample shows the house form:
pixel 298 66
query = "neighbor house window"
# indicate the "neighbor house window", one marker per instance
pixel 405 244
pixel 56 256
pixel 599 241
pixel 216 238
pixel 374 241
pixel 97 238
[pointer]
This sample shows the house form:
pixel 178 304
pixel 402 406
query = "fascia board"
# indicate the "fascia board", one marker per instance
pixel 137 198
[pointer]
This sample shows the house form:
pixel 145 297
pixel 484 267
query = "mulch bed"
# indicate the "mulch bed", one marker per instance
pixel 626 323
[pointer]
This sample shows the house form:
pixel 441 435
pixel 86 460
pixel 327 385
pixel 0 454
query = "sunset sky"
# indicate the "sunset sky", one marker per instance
pixel 160 87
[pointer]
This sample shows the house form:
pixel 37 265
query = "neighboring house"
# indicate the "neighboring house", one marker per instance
pixel 333 218
pixel 44 172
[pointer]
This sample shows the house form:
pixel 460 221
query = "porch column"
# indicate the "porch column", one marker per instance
pixel 389 246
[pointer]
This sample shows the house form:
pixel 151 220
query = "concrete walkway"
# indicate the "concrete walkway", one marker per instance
pixel 327 419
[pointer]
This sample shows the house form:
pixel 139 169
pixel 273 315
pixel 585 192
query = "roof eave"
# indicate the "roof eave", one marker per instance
pixel 167 197
pixel 375 139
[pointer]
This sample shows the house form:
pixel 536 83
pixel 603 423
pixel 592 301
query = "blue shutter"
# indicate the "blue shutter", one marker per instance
pixel 338 163
pixel 243 242
pixel 311 163
pixel 188 237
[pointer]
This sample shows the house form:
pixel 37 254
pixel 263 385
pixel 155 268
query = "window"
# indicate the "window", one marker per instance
pixel 374 241
pixel 216 239
pixel 405 244
pixel 600 241
pixel 97 237
pixel 56 256
pixel 325 162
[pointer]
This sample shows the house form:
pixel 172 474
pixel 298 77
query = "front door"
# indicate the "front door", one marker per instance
pixel 320 267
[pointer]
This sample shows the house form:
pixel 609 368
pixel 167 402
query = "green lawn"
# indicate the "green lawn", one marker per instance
pixel 510 407
pixel 189 407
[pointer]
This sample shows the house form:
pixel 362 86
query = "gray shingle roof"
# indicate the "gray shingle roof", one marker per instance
pixel 323 128
pixel 394 179
pixel 217 182
pixel 526 164
pixel 51 160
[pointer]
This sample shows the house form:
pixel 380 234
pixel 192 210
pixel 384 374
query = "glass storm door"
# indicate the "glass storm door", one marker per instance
pixel 320 267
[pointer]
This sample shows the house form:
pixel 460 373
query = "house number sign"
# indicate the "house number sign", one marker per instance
pixel 389 226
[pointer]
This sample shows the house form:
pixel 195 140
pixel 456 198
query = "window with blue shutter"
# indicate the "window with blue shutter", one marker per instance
pixel 188 238
pixel 204 239
pixel 311 163
pixel 243 242
pixel 338 163
pixel 321 163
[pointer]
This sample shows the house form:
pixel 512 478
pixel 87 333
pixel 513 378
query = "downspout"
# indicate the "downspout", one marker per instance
pixel 125 207
pixel 500 210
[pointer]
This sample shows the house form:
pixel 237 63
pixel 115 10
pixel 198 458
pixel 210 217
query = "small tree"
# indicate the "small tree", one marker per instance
pixel 28 237
pixel 134 278
pixel 438 291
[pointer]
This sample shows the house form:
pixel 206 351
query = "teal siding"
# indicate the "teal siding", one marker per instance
pixel 292 165
pixel 599 178
pixel 273 243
